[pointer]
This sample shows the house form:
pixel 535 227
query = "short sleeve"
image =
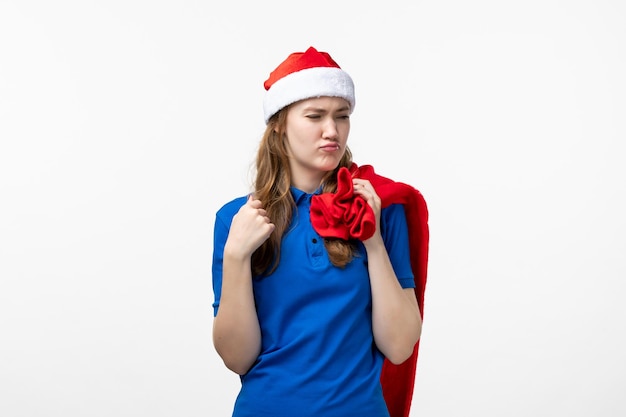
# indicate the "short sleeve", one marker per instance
pixel 223 219
pixel 220 233
pixel 396 237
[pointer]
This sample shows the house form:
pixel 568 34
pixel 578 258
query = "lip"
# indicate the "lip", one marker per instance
pixel 331 147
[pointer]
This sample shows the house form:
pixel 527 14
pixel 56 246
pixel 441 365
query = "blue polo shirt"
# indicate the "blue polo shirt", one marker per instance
pixel 318 356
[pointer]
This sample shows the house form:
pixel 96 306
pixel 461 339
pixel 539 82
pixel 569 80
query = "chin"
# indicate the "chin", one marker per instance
pixel 329 164
pixel 329 167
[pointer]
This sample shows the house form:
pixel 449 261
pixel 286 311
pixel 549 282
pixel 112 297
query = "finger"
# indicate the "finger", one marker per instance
pixel 254 203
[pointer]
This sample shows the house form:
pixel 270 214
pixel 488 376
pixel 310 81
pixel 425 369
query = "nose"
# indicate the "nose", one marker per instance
pixel 330 129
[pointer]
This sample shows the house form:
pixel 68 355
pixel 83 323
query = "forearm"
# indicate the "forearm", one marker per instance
pixel 396 318
pixel 236 332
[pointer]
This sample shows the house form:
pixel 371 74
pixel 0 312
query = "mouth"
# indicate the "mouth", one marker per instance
pixel 331 147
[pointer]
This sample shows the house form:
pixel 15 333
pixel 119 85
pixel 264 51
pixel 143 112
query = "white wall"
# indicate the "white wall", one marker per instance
pixel 124 125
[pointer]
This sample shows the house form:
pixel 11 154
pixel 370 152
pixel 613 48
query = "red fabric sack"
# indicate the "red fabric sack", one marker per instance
pixel 346 216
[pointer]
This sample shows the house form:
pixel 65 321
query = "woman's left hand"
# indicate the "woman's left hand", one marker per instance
pixel 365 189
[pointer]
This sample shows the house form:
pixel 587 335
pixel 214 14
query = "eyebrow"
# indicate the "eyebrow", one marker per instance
pixel 322 110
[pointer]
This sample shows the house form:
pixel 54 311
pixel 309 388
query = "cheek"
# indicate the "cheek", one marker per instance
pixel 345 132
pixel 304 136
pixel 297 132
pixel 297 143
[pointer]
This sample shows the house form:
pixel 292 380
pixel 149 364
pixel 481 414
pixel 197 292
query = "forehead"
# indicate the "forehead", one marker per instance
pixel 322 103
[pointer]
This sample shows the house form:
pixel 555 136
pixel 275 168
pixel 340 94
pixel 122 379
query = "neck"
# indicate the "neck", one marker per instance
pixel 308 182
pixel 308 187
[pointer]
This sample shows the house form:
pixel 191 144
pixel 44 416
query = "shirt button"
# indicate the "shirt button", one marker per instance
pixel 314 240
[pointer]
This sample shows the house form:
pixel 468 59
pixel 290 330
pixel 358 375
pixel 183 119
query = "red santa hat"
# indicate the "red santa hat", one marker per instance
pixel 306 75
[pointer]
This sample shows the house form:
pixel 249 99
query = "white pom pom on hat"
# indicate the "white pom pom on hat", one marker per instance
pixel 306 75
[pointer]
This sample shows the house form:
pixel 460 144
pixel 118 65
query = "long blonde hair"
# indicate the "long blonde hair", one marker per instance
pixel 272 187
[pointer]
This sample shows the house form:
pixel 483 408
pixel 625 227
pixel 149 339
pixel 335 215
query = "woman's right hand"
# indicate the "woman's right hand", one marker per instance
pixel 249 229
pixel 236 331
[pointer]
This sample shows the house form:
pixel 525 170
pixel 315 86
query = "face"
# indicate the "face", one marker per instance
pixel 317 132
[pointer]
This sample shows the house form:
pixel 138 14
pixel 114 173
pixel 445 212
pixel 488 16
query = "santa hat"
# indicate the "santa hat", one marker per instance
pixel 306 75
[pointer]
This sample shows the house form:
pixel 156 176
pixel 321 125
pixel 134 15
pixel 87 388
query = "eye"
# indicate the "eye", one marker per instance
pixel 313 116
pixel 344 117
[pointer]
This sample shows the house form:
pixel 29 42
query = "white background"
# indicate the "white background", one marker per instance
pixel 124 126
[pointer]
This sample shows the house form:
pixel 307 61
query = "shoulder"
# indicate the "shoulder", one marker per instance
pixel 393 210
pixel 228 210
pixel 391 191
pixel 393 216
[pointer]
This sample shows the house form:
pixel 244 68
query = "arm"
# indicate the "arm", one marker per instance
pixel 236 331
pixel 396 319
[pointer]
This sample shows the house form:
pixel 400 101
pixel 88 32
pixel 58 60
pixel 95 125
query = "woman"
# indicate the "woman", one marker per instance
pixel 308 309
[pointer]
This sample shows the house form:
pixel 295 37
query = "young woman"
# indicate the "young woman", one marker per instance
pixel 307 308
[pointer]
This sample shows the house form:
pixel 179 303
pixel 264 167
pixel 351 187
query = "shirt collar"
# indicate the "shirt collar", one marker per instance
pixel 299 195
